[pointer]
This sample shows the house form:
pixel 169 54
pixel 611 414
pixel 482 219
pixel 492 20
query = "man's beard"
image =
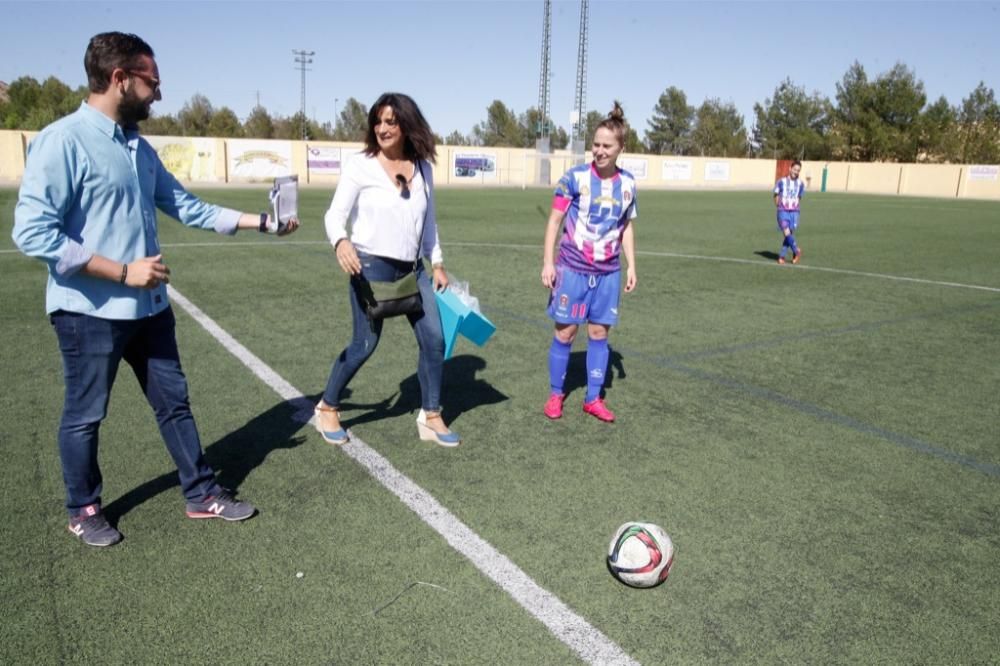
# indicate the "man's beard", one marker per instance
pixel 131 110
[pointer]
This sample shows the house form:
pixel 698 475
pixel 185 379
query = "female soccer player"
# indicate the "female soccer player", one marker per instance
pixel 597 201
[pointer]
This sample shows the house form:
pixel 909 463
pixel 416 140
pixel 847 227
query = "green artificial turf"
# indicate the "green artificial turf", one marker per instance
pixel 821 441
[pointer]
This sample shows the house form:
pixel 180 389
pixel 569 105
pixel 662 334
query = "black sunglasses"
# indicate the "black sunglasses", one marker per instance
pixel 404 190
pixel 151 81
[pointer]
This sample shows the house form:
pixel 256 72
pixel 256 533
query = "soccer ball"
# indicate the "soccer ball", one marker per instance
pixel 640 554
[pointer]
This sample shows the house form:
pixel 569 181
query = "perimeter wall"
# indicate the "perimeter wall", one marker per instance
pixel 207 160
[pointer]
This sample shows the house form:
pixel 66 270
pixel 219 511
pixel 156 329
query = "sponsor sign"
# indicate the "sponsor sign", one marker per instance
pixel 323 160
pixel 677 170
pixel 257 160
pixel 984 172
pixel 717 171
pixel 474 165
pixel 187 158
pixel 635 166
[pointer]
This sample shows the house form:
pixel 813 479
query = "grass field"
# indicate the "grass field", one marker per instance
pixel 822 442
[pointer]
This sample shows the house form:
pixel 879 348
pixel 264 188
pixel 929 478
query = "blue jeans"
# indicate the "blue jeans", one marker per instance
pixel 92 349
pixel 426 326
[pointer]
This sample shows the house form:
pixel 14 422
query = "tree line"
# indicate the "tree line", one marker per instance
pixel 882 119
pixel 30 105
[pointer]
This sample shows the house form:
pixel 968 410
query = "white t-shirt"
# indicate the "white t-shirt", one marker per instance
pixel 381 221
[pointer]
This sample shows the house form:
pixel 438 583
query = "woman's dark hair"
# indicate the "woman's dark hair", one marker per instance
pixel 616 123
pixel 418 139
pixel 109 50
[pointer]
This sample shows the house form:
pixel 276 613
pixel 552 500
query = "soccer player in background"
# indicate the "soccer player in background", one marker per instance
pixel 597 202
pixel 788 192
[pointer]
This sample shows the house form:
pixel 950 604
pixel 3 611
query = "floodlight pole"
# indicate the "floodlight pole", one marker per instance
pixel 580 128
pixel 545 76
pixel 543 144
pixel 303 58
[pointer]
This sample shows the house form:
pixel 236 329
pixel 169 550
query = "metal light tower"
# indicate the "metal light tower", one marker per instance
pixel 546 74
pixel 303 58
pixel 542 142
pixel 580 104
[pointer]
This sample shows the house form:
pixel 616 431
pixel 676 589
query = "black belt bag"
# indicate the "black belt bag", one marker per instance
pixel 382 300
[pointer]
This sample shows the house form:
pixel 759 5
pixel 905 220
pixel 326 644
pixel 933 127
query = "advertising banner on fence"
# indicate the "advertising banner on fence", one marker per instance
pixel 251 159
pixel 323 160
pixel 717 171
pixel 187 158
pixel 635 166
pixel 677 170
pixel 984 172
pixel 475 165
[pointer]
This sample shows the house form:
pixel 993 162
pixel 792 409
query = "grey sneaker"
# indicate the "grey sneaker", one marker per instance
pixel 91 527
pixel 221 505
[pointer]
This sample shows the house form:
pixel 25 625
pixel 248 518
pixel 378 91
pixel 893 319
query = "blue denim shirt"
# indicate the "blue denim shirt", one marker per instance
pixel 90 187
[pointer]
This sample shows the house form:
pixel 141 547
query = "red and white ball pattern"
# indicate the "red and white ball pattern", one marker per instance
pixel 641 554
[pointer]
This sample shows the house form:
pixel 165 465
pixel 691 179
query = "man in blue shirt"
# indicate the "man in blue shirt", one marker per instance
pixel 87 208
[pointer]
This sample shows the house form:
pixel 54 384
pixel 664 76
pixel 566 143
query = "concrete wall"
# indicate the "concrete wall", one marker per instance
pixel 11 155
pixel 873 178
pixel 930 180
pixel 515 167
pixel 916 180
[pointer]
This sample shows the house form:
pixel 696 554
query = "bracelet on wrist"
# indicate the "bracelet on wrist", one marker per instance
pixel 124 273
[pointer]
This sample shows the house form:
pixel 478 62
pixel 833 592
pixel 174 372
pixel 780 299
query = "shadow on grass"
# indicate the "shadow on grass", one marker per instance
pixel 767 254
pixel 461 391
pixel 233 457
pixel 576 372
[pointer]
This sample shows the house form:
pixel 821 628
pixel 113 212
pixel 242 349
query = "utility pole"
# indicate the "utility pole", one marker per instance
pixel 303 58
pixel 580 104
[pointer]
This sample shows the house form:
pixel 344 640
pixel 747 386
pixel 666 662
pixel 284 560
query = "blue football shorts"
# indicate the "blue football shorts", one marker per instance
pixel 788 219
pixel 581 297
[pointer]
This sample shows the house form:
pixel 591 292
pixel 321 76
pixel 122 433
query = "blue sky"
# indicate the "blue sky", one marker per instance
pixel 455 57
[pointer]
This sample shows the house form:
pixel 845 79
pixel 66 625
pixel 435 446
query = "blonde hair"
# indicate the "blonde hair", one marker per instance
pixel 615 122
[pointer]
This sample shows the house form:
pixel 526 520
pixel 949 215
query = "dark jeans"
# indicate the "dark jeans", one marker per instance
pixel 426 326
pixel 91 349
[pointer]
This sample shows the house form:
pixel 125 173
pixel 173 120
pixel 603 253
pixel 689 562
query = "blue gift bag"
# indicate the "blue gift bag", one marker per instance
pixel 458 318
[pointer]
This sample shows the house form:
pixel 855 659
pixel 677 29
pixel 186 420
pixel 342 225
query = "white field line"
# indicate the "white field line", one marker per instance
pixel 734 260
pixel 842 271
pixel 675 255
pixel 766 264
pixel 586 641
